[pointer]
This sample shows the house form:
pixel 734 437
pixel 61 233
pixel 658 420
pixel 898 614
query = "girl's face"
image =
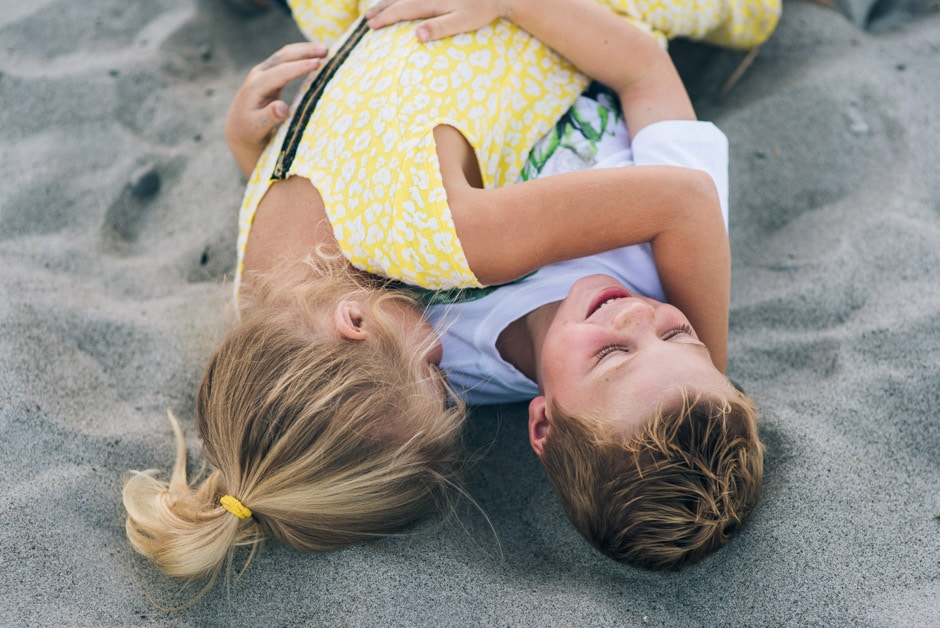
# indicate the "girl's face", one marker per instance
pixel 397 326
pixel 619 357
pixel 355 319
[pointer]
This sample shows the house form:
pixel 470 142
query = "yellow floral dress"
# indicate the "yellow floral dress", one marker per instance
pixel 363 133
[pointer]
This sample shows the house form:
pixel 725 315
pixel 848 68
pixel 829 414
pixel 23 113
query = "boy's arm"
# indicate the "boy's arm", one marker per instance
pixel 613 51
pixel 602 45
pixel 257 109
pixel 511 231
pixel 508 232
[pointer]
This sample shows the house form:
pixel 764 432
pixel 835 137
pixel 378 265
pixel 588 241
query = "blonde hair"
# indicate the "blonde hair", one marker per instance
pixel 327 441
pixel 667 496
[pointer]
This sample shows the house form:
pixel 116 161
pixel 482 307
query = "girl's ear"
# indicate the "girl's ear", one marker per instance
pixel 539 424
pixel 350 319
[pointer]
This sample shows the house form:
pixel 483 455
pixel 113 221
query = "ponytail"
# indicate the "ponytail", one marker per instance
pixel 184 529
pixel 323 441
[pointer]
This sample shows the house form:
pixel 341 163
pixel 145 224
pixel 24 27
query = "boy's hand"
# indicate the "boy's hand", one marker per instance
pixel 442 18
pixel 257 109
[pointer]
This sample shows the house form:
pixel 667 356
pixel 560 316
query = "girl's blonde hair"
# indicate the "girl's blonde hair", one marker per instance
pixel 327 441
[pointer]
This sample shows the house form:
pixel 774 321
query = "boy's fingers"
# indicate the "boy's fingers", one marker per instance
pixel 443 26
pixel 440 18
pixel 454 22
pixel 379 7
pixel 403 11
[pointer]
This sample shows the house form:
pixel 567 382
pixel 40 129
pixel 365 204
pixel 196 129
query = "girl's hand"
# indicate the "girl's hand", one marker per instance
pixel 442 18
pixel 257 109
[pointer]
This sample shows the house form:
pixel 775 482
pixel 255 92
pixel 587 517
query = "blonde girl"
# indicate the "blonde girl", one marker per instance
pixel 312 440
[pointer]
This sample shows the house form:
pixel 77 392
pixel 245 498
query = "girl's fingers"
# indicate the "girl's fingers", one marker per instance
pixel 262 123
pixel 279 110
pixel 273 115
pixel 275 79
pixel 294 52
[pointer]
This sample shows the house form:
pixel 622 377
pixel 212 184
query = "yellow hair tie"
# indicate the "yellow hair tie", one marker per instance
pixel 234 506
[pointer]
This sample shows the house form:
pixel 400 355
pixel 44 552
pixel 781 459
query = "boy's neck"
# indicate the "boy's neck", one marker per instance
pixel 520 343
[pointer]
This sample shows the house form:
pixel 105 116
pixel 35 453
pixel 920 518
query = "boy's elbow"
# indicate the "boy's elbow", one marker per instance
pixel 700 188
pixel 702 185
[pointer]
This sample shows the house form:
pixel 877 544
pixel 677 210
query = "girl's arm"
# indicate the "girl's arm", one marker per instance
pixel 257 109
pixel 509 232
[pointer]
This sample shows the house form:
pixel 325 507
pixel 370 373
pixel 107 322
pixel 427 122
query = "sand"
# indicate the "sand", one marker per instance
pixel 117 231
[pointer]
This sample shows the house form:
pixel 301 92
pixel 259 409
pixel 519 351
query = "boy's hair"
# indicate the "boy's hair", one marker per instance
pixel 667 496
pixel 327 441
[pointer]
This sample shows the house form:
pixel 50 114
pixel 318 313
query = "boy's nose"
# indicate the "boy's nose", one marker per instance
pixel 635 314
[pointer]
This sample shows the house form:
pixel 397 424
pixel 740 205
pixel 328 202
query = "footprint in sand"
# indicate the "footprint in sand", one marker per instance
pixel 125 216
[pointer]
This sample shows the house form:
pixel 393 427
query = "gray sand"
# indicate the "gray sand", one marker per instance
pixel 117 229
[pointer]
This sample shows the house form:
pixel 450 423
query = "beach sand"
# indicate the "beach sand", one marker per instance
pixel 117 233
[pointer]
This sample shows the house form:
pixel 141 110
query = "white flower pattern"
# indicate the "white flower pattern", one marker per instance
pixel 369 149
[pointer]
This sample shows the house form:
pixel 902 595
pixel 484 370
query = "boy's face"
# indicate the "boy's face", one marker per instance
pixel 617 357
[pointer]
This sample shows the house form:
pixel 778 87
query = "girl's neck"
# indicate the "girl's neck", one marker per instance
pixel 520 343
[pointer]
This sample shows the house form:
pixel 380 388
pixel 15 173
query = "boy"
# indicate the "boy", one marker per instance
pixel 598 361
pixel 653 472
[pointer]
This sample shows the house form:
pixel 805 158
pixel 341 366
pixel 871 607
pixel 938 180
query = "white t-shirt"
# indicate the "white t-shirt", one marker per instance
pixel 469 330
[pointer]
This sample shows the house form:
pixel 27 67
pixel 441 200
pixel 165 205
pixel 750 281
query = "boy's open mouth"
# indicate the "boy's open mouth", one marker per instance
pixel 606 296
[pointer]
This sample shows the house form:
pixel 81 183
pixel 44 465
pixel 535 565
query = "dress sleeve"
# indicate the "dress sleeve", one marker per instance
pixel 735 24
pixel 323 21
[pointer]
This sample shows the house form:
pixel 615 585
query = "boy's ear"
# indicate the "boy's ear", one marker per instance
pixel 539 424
pixel 350 320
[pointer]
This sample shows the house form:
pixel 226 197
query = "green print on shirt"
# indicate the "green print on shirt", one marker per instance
pixel 577 131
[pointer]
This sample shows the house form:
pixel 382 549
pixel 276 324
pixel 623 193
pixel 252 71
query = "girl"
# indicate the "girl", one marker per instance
pixel 323 413
pixel 399 148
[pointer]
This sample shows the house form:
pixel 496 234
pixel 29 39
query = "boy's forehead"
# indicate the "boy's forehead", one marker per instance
pixel 625 410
